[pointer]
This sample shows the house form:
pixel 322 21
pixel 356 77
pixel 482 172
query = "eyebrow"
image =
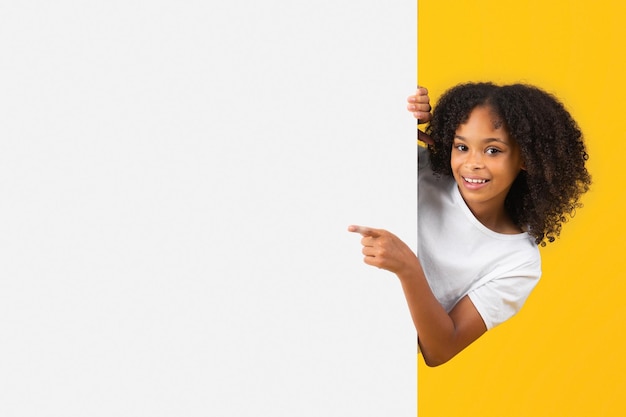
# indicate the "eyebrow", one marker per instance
pixel 487 140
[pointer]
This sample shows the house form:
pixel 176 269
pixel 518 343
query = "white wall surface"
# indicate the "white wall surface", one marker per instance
pixel 176 180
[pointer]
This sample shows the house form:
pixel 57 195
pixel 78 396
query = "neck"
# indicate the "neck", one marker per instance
pixel 497 220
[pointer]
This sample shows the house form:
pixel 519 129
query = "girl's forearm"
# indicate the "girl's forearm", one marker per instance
pixel 436 329
pixel 441 334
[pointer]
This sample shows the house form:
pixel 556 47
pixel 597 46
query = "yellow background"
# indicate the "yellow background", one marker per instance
pixel 564 354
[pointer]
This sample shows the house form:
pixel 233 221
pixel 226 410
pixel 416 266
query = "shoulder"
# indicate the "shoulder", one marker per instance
pixel 426 175
pixel 503 291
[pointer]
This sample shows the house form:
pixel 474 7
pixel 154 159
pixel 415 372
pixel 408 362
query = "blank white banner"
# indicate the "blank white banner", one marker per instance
pixel 176 180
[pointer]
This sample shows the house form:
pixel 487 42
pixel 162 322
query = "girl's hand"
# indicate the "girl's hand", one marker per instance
pixel 441 335
pixel 385 250
pixel 419 105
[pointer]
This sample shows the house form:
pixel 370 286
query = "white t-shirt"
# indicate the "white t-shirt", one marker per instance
pixel 460 256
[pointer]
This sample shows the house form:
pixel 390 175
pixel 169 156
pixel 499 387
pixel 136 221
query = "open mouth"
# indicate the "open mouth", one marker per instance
pixel 475 180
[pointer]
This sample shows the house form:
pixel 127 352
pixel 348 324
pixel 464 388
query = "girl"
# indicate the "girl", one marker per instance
pixel 502 169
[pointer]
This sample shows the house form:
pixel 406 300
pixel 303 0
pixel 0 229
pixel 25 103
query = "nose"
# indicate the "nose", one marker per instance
pixel 474 160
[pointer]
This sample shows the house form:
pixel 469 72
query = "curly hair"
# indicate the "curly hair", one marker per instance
pixel 547 191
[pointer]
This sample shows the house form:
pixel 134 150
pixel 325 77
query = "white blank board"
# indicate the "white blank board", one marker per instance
pixel 176 180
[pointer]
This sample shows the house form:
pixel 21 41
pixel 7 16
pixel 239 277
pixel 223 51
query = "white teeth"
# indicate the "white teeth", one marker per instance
pixel 475 181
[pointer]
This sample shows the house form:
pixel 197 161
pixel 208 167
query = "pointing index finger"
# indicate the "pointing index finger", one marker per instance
pixel 364 231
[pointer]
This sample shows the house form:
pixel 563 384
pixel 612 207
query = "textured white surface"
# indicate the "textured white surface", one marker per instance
pixel 176 179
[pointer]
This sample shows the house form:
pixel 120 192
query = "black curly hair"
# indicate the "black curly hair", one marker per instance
pixel 547 191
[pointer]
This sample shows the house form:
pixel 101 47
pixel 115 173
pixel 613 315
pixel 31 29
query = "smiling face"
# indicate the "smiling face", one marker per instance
pixel 485 161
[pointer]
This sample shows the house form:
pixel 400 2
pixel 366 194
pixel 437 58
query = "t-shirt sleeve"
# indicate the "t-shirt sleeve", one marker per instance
pixel 500 299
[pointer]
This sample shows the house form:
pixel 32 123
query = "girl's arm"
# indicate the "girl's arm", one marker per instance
pixel 441 334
